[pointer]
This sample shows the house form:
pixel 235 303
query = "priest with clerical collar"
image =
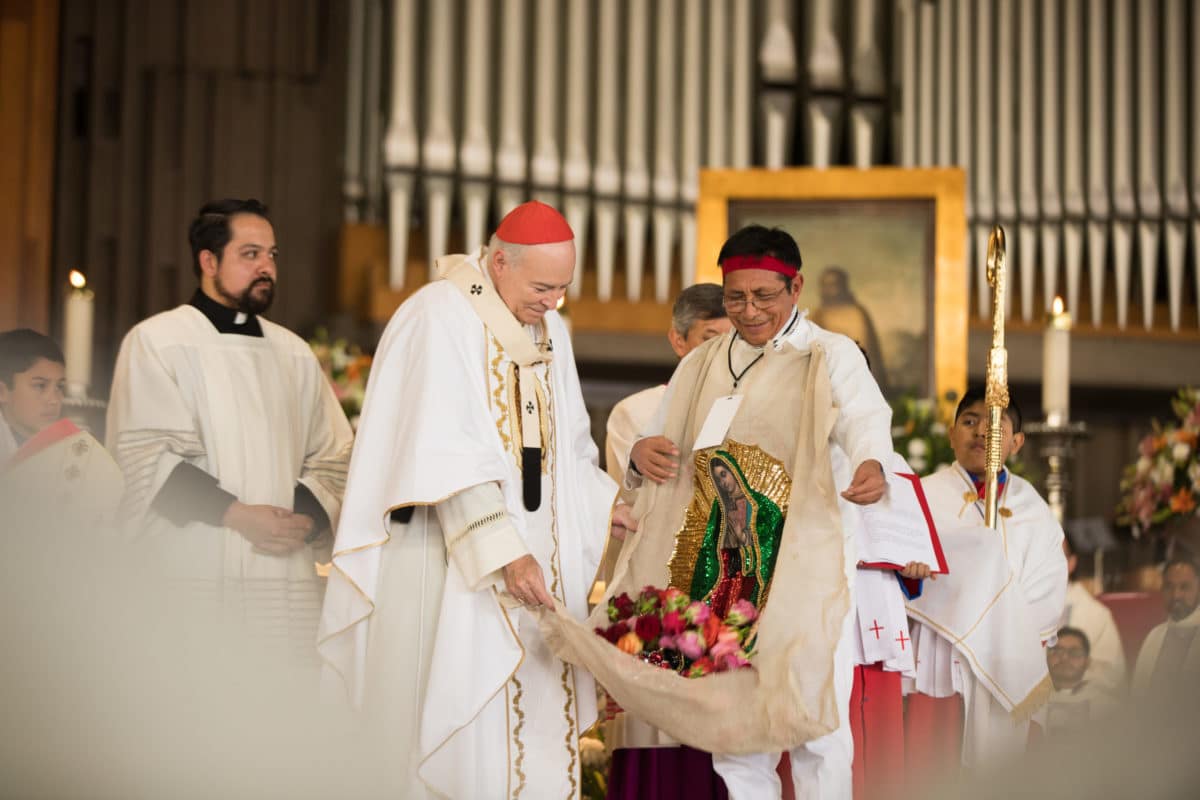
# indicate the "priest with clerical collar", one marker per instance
pixel 474 500
pixel 233 445
pixel 1170 655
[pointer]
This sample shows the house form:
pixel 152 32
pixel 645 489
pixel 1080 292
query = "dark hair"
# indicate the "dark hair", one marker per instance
pixel 759 240
pixel 21 348
pixel 1067 630
pixel 701 301
pixel 976 394
pixel 1182 561
pixel 210 229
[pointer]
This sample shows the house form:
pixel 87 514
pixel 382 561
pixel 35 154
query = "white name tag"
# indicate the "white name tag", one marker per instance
pixel 720 417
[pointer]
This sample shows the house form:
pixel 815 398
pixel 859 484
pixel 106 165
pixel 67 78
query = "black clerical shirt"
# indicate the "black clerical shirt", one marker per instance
pixel 192 495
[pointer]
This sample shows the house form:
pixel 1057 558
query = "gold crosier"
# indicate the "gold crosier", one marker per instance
pixel 996 397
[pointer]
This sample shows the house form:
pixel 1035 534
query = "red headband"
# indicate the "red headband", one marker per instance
pixel 769 263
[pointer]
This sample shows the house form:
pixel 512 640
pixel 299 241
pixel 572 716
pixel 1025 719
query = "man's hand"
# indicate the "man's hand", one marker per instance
pixel 622 522
pixel 523 579
pixel 656 458
pixel 868 484
pixel 917 571
pixel 272 530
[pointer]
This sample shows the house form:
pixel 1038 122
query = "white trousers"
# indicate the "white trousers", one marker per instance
pixel 821 769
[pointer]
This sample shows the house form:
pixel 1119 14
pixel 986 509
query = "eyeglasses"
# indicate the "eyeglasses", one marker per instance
pixel 1068 652
pixel 760 300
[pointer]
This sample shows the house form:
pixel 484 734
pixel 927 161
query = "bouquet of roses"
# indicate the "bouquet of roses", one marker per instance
pixel 1164 482
pixel 666 628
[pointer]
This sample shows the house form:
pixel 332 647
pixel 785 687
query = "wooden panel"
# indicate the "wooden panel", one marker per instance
pixel 28 77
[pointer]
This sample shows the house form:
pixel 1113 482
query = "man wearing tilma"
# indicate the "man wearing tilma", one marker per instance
pixel 753 514
pixel 474 499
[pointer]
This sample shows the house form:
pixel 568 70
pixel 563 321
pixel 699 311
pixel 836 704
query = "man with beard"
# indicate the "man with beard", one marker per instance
pixel 233 446
pixel 1170 655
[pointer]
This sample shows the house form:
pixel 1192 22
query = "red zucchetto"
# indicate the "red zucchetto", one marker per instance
pixel 534 223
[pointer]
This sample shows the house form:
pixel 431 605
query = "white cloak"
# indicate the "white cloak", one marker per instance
pixel 981 631
pixel 256 413
pixel 1085 612
pixel 440 665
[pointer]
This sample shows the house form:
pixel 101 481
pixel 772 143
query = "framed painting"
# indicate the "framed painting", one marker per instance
pixel 884 260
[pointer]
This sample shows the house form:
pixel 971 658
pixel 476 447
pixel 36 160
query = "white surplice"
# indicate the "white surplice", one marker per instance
pixel 455 680
pixel 8 442
pixel 256 413
pixel 626 423
pixel 1085 612
pixel 981 630
pixel 1170 657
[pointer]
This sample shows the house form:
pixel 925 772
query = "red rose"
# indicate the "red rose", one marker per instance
pixel 648 627
pixel 673 623
pixel 623 605
pixel 616 631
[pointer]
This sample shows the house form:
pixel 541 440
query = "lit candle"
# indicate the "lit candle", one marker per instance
pixel 1056 366
pixel 77 335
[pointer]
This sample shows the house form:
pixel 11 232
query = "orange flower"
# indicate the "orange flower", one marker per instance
pixel 1182 502
pixel 630 643
pixel 1185 436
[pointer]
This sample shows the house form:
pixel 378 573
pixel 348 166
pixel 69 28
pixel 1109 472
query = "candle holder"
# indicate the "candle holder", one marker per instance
pixel 1055 444
pixel 86 412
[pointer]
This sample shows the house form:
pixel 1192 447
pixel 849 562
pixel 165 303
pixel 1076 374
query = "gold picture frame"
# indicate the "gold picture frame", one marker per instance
pixel 926 207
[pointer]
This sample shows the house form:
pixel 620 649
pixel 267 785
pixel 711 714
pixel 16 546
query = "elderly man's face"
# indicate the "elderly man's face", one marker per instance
pixel 1181 591
pixel 1067 661
pixel 758 302
pixel 534 284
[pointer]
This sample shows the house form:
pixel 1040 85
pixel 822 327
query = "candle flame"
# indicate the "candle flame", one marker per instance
pixel 1057 306
pixel 77 279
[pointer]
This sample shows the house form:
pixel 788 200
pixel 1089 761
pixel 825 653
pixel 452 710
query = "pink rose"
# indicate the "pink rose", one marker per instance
pixel 675 600
pixel 742 612
pixel 696 613
pixel 691 644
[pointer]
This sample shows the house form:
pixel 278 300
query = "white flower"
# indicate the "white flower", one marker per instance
pixel 918 463
pixel 898 431
pixel 1163 473
pixel 1194 474
pixel 1180 452
pixel 924 406
pixel 592 752
pixel 917 448
pixel 1143 466
pixel 937 429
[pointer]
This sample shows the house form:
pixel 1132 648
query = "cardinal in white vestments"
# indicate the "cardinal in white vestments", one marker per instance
pixel 1170 656
pixel 233 446
pixel 979 633
pixel 474 491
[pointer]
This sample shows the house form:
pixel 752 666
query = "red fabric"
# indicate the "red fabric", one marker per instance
pixel 933 731
pixel 534 223
pixel 47 436
pixel 1136 614
pixel 769 263
pixel 877 725
pixel 785 776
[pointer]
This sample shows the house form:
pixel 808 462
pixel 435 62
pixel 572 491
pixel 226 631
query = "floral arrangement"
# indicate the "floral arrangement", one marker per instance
pixel 346 366
pixel 919 434
pixel 666 628
pixel 1164 481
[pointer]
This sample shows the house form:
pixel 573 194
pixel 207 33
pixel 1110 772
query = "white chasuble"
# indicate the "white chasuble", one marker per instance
pixel 257 414
pixel 416 629
pixel 981 630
